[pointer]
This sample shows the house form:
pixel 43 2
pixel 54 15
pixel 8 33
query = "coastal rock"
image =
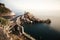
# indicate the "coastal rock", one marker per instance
pixel 5 12
pixel 48 21
pixel 14 33
pixel 3 36
pixel 2 5
pixel 30 18
pixel 25 18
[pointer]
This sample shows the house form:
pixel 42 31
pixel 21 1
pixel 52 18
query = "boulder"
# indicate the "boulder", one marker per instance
pixel 48 21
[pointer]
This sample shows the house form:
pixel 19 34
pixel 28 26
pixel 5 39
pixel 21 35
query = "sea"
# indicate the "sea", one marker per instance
pixel 43 31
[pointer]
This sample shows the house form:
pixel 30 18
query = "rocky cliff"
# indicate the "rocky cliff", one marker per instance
pixel 29 18
pixel 13 29
pixel 5 12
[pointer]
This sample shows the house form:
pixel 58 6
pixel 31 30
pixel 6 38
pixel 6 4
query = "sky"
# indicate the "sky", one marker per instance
pixel 37 7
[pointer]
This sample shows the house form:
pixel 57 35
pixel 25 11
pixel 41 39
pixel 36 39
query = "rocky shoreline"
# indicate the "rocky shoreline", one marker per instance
pixel 29 18
pixel 13 29
pixel 26 18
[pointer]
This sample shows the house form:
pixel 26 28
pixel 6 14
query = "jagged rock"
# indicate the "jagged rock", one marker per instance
pixel 48 21
pixel 25 18
pixel 2 5
pixel 15 30
pixel 3 36
pixel 5 12
pixel 29 17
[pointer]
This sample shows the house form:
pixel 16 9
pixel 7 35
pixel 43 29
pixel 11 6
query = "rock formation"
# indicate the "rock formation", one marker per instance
pixel 25 18
pixel 29 18
pixel 5 12
pixel 3 36
pixel 13 31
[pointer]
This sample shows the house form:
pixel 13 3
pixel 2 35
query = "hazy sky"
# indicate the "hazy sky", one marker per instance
pixel 43 7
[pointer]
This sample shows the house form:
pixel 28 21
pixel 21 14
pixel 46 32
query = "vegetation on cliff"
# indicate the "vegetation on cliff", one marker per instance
pixel 3 21
pixel 3 9
pixel 18 22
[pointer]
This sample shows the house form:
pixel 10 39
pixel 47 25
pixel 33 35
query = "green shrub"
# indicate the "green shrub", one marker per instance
pixel 4 10
pixel 3 21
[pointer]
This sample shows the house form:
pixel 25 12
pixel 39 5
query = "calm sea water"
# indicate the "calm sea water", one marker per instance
pixel 42 31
